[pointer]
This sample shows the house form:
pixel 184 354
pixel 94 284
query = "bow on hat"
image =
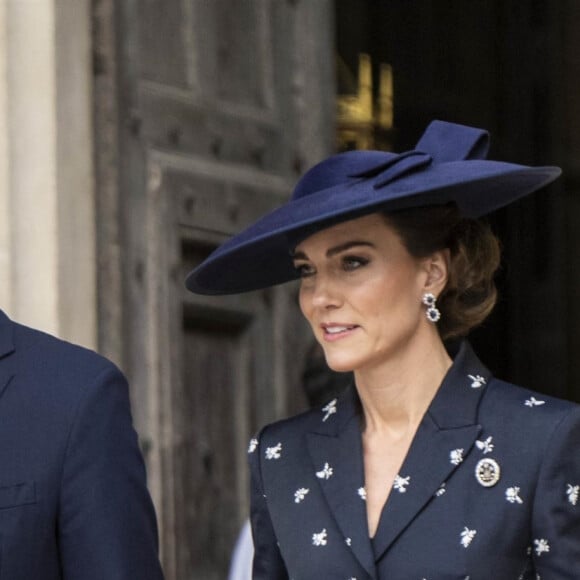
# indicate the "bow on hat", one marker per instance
pixel 441 142
pixel 448 164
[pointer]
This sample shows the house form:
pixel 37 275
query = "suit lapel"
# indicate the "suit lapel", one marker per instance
pixel 6 348
pixel 338 444
pixel 444 439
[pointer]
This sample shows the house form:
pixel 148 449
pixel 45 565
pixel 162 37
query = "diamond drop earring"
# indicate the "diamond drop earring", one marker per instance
pixel 432 312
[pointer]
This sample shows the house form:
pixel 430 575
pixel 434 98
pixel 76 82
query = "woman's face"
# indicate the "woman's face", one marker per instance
pixel 361 291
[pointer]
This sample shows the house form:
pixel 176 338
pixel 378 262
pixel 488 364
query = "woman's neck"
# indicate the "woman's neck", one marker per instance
pixel 396 394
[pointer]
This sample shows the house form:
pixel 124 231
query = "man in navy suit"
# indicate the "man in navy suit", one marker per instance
pixel 73 496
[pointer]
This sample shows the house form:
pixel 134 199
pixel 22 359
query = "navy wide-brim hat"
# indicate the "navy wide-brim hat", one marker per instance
pixel 447 165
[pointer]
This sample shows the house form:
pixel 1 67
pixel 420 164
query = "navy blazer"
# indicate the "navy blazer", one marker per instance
pixel 489 490
pixel 73 500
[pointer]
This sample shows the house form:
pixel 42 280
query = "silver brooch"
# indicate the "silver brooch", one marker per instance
pixel 487 472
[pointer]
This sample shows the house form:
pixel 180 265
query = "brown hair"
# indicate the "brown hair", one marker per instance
pixel 470 294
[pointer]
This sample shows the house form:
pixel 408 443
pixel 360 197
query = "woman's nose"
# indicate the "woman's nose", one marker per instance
pixel 325 294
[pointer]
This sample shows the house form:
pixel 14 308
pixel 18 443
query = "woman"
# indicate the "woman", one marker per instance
pixel 428 467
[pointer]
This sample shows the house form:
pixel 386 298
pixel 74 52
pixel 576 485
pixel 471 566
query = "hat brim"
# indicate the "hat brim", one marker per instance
pixel 259 256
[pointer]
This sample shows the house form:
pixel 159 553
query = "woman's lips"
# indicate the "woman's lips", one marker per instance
pixel 333 332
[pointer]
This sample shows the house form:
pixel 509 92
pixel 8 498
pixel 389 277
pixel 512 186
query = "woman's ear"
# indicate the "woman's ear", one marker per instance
pixel 437 269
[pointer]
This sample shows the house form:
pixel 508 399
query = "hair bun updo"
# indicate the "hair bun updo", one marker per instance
pixel 470 293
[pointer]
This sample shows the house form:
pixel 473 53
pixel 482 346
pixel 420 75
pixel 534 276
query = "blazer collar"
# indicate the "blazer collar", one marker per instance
pixel 454 405
pixel 450 425
pixel 457 400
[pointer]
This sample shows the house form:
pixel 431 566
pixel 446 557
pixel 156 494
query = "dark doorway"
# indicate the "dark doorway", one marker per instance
pixel 494 65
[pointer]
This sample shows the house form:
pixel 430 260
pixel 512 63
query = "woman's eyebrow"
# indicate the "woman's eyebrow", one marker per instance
pixel 347 246
pixel 334 250
pixel 298 255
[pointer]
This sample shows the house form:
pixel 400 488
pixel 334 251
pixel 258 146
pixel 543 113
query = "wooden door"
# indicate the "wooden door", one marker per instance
pixel 218 107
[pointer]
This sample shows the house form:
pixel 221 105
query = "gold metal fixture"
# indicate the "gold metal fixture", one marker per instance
pixel 360 126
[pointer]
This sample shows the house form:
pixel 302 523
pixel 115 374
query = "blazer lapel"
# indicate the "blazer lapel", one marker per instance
pixel 426 467
pixel 337 445
pixel 444 439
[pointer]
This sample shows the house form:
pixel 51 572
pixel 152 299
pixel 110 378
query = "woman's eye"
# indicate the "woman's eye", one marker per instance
pixel 304 270
pixel 353 262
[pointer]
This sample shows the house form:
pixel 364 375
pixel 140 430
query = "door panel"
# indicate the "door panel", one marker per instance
pixel 219 106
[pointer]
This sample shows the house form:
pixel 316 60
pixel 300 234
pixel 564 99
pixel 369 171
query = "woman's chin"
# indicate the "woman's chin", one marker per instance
pixel 340 365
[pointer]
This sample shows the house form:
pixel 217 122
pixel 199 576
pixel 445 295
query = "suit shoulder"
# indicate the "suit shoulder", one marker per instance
pixel 47 360
pixel 54 379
